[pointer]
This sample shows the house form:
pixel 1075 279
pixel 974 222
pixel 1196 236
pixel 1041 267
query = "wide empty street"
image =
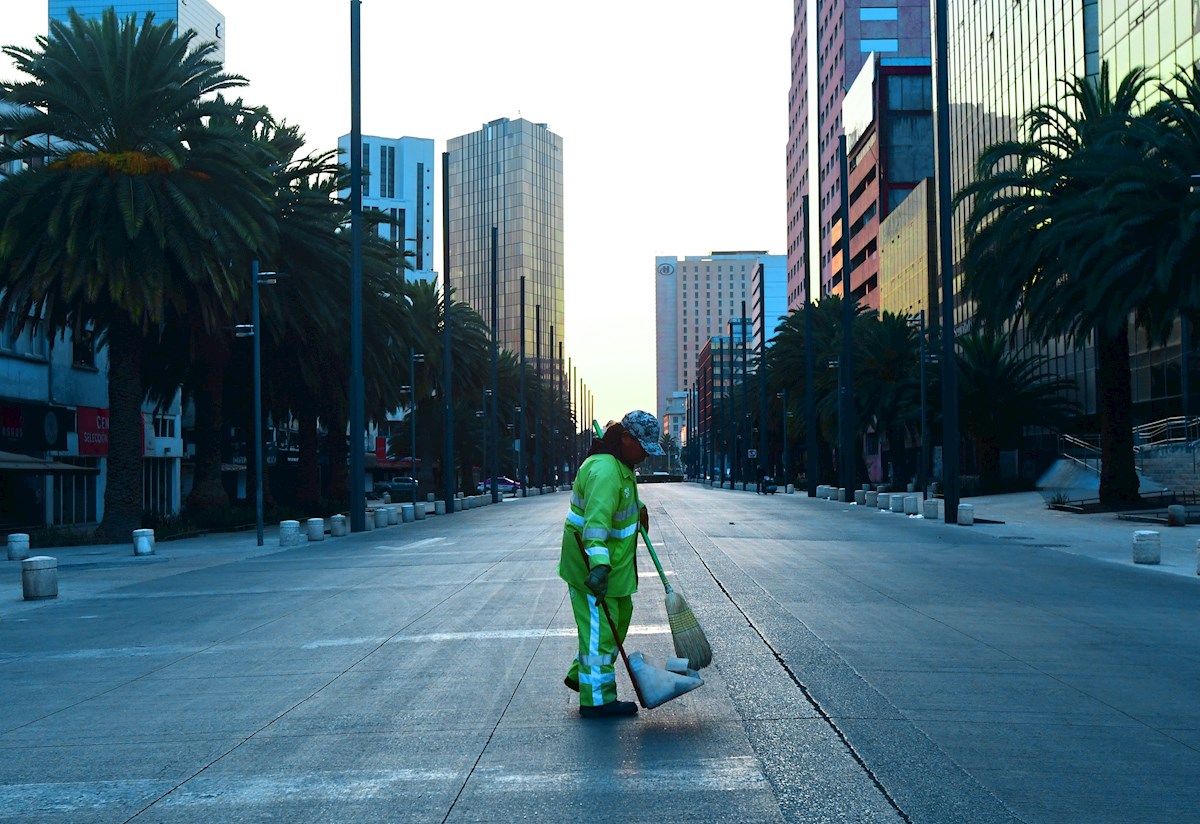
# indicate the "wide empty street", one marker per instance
pixel 867 667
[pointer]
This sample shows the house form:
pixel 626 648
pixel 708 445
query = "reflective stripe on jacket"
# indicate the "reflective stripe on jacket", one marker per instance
pixel 604 510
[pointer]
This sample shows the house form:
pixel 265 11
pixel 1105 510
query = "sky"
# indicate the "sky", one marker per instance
pixel 673 115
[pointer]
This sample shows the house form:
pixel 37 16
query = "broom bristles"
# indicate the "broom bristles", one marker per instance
pixel 689 639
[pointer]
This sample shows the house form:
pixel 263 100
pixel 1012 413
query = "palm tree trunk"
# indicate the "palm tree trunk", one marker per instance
pixel 339 459
pixel 1118 476
pixel 123 480
pixel 308 490
pixel 208 493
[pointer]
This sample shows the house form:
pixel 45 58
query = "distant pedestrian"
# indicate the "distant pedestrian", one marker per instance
pixel 604 516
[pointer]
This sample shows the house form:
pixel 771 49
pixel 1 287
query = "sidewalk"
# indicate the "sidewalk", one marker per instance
pixel 1027 522
pixel 98 568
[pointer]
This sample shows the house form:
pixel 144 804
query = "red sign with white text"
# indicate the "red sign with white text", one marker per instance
pixel 92 425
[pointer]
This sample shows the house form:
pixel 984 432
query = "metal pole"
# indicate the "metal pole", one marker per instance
pixel 523 476
pixel 745 456
pixel 946 262
pixel 812 464
pixel 1184 346
pixel 258 438
pixel 561 379
pixel 846 361
pixel 494 463
pixel 784 480
pixel 537 399
pixel 412 398
pixel 358 491
pixel 922 467
pixel 448 472
pixel 762 368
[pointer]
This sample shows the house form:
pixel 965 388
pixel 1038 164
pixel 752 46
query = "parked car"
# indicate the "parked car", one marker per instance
pixel 399 486
pixel 506 485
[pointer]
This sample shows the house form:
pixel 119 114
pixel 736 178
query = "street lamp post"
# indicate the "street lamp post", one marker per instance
pixel 251 331
pixel 918 321
pixel 784 473
pixel 413 359
pixel 836 363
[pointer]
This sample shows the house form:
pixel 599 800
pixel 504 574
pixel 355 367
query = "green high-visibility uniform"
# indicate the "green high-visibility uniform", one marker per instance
pixel 604 511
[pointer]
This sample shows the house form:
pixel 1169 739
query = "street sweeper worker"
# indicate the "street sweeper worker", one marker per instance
pixel 604 517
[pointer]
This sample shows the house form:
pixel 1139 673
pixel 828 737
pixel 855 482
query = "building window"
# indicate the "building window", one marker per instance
pixel 881 45
pixel 878 14
pixel 83 348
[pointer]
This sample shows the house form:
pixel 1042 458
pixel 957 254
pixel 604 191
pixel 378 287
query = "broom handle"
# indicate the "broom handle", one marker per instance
pixel 612 625
pixel 642 530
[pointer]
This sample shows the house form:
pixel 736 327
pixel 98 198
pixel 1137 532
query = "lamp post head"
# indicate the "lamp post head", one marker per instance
pixel 243 330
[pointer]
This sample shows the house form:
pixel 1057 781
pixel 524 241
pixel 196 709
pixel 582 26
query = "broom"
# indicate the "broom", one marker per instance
pixel 686 632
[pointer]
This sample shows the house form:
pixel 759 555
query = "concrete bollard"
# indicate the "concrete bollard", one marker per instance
pixel 930 509
pixel 430 497
pixel 896 502
pixel 143 542
pixel 871 498
pixel 439 507
pixel 393 514
pixel 884 501
pixel 289 533
pixel 1146 547
pixel 39 578
pixel 381 518
pixel 912 505
pixel 369 521
pixel 386 497
pixel 18 546
pixel 966 515
pixel 315 528
pixel 911 488
pixel 789 490
pixel 458 504
pixel 841 493
pixel 421 510
pixel 338 527
pixel 408 512
pixel 860 497
pixel 1176 515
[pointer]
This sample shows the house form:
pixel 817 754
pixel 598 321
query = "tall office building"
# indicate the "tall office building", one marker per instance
pixel 508 176
pixel 827 54
pixel 397 178
pixel 197 15
pixel 1006 60
pixel 696 299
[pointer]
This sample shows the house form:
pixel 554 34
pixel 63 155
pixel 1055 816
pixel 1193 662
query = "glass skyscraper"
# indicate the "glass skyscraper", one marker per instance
pixel 509 175
pixel 197 15
pixel 1006 59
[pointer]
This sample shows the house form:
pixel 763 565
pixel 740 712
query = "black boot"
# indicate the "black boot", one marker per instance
pixel 613 709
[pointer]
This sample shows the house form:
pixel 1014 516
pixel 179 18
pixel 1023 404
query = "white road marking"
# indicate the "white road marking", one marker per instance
pixel 736 773
pixel 483 635
pixel 413 544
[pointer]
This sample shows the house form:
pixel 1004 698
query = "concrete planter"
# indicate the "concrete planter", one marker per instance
pixel 18 546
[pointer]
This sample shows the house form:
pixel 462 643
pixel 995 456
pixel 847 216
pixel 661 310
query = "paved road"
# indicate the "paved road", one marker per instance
pixel 868 667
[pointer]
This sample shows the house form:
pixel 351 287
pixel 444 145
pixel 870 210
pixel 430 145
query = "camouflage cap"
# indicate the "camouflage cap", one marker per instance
pixel 644 427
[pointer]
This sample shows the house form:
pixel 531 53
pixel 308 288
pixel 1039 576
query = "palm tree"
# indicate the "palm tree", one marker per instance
pixel 1083 269
pixel 888 365
pixel 1003 392
pixel 670 447
pixel 147 196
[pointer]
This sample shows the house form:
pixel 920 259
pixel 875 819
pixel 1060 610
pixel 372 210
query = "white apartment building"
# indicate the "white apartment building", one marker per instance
pixel 696 298
pixel 397 178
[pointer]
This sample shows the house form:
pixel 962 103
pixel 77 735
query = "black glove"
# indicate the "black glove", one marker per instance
pixel 597 581
pixel 644 518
